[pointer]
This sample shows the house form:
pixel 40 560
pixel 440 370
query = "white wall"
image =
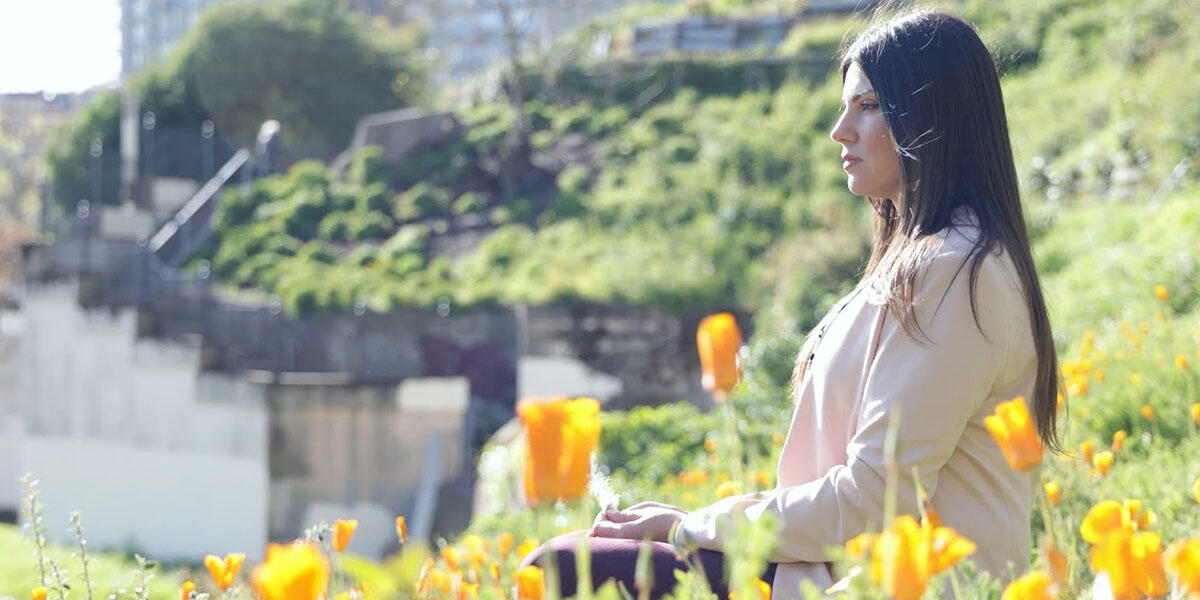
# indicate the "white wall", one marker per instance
pixel 11 325
pixel 158 457
pixel 561 376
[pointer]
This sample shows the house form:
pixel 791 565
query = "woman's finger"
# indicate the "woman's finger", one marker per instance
pixel 620 516
pixel 619 530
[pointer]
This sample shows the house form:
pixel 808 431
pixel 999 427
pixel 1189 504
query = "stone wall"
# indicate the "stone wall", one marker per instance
pixel 648 351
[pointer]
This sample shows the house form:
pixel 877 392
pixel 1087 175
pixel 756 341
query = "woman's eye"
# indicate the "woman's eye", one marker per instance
pixel 869 105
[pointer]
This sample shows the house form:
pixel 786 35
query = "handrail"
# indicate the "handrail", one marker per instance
pixel 202 197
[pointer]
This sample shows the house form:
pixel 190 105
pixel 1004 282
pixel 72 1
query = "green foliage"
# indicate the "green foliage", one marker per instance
pixel 421 201
pixel 310 64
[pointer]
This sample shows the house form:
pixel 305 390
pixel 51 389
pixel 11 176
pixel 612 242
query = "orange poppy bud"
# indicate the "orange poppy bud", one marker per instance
pixel 1160 292
pixel 185 591
pixel 39 593
pixel 291 572
pixel 1183 560
pixel 343 530
pixel 527 546
pixel 1118 440
pixel 726 489
pixel 504 543
pixel 1087 451
pixel 560 437
pixel 1053 492
pixel 1032 586
pixel 402 529
pixel 1181 361
pixel 1014 432
pixel 1195 409
pixel 531 584
pixel 1147 412
pixel 718 340
pixel 1103 462
pixel 224 570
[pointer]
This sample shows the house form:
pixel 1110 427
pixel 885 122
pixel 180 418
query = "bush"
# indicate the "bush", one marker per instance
pixel 421 201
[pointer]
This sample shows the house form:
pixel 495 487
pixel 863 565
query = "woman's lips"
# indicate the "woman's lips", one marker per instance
pixel 850 162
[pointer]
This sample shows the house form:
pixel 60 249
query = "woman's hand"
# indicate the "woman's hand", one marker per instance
pixel 645 520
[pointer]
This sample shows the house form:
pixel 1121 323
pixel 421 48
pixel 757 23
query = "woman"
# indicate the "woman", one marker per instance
pixel 947 321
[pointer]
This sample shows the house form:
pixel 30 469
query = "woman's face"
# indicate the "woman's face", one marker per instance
pixel 868 152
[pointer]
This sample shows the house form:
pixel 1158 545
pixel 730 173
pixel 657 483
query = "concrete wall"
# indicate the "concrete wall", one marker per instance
pixel 11 326
pixel 166 459
pixel 158 457
pixel 360 450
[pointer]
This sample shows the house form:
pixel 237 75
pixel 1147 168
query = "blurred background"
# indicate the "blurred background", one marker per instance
pixel 268 263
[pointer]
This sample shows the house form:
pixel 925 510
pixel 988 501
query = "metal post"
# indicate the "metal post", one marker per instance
pixel 207 131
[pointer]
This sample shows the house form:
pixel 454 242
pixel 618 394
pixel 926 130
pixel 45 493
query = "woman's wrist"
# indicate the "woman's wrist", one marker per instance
pixel 676 537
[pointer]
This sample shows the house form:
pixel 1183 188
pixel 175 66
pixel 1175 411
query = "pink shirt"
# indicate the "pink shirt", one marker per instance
pixel 831 475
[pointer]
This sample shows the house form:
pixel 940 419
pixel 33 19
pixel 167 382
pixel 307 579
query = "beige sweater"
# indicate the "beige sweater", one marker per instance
pixel 831 476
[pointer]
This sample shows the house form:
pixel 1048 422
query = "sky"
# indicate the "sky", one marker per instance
pixel 58 45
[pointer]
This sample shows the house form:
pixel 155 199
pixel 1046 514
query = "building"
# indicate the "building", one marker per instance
pixel 150 28
pixel 466 36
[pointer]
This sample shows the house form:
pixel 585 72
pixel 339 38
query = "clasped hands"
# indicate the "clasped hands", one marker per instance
pixel 644 520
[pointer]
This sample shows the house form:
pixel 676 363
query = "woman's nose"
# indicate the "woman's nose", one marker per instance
pixel 842 133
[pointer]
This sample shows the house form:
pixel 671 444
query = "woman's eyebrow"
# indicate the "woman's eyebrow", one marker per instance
pixel 858 95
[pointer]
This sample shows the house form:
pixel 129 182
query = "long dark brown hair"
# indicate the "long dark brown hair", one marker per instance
pixel 940 93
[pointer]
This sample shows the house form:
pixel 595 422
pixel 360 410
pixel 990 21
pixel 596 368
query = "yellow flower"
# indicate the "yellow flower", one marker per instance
pixel 1147 412
pixel 1014 432
pixel 1160 292
pixel 764 589
pixel 1053 492
pixel 777 438
pixel 530 583
pixel 452 557
pixel 504 543
pixel 343 530
pixel 1077 385
pixel 693 477
pixel 527 546
pixel 1183 560
pixel 223 571
pixel 1087 450
pixel 560 436
pixel 291 572
pixel 1196 413
pixel 39 593
pixel 1135 378
pixel 1100 375
pixel 726 489
pixel 1118 440
pixel 402 529
pixel 1032 586
pixel 904 557
pixel 718 340
pixel 466 591
pixel 900 561
pixel 859 545
pixel 710 445
pixel 1181 361
pixel 1103 462
pixel 425 584
pixel 185 591
pixel 1133 562
pixel 1196 490
pixel 1109 516
pixel 761 479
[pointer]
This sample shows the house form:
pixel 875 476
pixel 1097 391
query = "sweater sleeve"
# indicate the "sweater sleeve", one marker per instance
pixel 935 385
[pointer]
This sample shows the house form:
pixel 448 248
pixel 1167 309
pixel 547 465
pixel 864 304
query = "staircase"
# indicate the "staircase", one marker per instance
pixel 180 236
